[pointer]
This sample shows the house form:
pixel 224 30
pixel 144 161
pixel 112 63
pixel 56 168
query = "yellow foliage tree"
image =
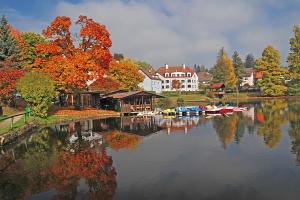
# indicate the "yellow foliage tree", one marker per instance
pixel 230 78
pixel 126 73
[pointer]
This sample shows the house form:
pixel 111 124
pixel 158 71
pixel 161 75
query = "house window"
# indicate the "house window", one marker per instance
pixel 167 81
pixel 189 86
pixel 167 86
pixel 189 80
pixel 163 87
pixel 162 82
pixel 182 86
pixel 182 81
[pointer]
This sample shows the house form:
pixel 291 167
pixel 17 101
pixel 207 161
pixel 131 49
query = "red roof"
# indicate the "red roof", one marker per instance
pixel 171 69
pixel 217 85
pixel 258 75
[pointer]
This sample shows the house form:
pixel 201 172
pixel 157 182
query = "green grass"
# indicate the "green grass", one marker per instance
pixel 17 124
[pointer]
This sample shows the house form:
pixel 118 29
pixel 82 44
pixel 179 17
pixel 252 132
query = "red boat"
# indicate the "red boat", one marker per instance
pixel 226 110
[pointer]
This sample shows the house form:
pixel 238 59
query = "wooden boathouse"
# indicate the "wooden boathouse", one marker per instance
pixel 129 102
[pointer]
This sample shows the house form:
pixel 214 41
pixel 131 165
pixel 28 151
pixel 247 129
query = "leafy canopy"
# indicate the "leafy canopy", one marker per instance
pixel 38 90
pixel 272 83
pixel 69 62
pixel 294 62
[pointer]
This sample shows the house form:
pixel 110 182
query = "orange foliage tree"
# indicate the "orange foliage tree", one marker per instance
pixel 176 84
pixel 72 63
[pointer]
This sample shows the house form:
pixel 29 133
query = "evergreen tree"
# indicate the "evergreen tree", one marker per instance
pixel 8 45
pixel 250 61
pixel 218 70
pixel 272 83
pixel 294 62
pixel 239 68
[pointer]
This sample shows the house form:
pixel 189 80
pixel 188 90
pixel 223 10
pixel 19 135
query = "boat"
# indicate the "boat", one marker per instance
pixel 169 112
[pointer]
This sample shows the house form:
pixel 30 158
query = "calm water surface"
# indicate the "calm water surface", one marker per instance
pixel 249 156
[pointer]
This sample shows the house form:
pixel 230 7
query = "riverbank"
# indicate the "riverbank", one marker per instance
pixel 21 128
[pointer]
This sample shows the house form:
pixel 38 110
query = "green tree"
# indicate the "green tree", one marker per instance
pixel 272 83
pixel 146 66
pixel 239 68
pixel 31 39
pixel 250 61
pixel 38 90
pixel 218 70
pixel 8 45
pixel 294 62
pixel 118 56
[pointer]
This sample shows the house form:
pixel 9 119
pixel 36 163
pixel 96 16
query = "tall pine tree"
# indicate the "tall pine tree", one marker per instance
pixel 250 61
pixel 239 68
pixel 272 83
pixel 8 45
pixel 294 62
pixel 218 70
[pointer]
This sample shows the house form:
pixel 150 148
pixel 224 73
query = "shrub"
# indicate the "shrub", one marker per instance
pixel 38 90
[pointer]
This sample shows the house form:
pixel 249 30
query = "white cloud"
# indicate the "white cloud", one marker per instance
pixel 185 31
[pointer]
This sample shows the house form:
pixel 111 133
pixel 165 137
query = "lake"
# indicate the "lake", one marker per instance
pixel 251 155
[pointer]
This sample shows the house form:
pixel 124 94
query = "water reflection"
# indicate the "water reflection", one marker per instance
pixel 77 160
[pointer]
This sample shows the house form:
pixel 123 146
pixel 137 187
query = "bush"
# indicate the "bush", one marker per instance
pixel 38 90
pixel 180 101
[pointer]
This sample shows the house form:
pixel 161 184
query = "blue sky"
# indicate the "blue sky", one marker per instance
pixel 172 31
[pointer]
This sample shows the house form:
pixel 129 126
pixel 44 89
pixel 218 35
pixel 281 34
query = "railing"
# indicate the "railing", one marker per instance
pixel 26 115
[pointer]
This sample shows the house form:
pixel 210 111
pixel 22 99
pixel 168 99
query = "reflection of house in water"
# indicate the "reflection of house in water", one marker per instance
pixel 139 125
pixel 179 124
pixel 250 113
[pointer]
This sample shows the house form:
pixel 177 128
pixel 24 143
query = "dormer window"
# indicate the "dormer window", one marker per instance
pixel 188 74
pixel 166 74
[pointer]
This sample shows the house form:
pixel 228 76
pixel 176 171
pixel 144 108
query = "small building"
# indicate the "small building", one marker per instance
pixel 185 74
pixel 129 102
pixel 249 78
pixel 151 81
pixel 218 89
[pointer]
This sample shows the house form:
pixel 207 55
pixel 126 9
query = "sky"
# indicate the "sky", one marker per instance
pixel 172 32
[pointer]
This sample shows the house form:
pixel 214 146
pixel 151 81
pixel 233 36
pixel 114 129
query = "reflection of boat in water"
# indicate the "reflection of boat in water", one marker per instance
pixel 86 136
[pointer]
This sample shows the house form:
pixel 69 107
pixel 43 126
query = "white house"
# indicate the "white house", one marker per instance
pixel 185 74
pixel 151 81
pixel 249 78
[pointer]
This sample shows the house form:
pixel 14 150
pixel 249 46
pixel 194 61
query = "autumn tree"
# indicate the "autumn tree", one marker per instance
pixel 31 41
pixel 38 91
pixel 126 73
pixel 176 84
pixel 71 62
pixel 223 70
pixel 294 62
pixel 9 70
pixel 250 61
pixel 230 78
pixel 272 83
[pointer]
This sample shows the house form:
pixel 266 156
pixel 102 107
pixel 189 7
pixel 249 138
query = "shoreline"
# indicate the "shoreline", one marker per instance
pixel 36 124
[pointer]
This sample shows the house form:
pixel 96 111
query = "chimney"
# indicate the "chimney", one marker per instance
pixel 183 66
pixel 167 66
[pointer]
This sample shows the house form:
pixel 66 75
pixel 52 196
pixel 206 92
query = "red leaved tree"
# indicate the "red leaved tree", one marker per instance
pixel 72 62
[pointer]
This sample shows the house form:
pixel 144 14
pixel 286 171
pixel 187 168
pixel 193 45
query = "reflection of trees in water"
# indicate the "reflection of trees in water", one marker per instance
pixel 294 130
pixel 274 115
pixel 41 164
pixel 119 140
pixel 226 128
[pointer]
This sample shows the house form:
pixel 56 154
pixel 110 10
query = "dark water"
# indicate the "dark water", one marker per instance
pixel 248 156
